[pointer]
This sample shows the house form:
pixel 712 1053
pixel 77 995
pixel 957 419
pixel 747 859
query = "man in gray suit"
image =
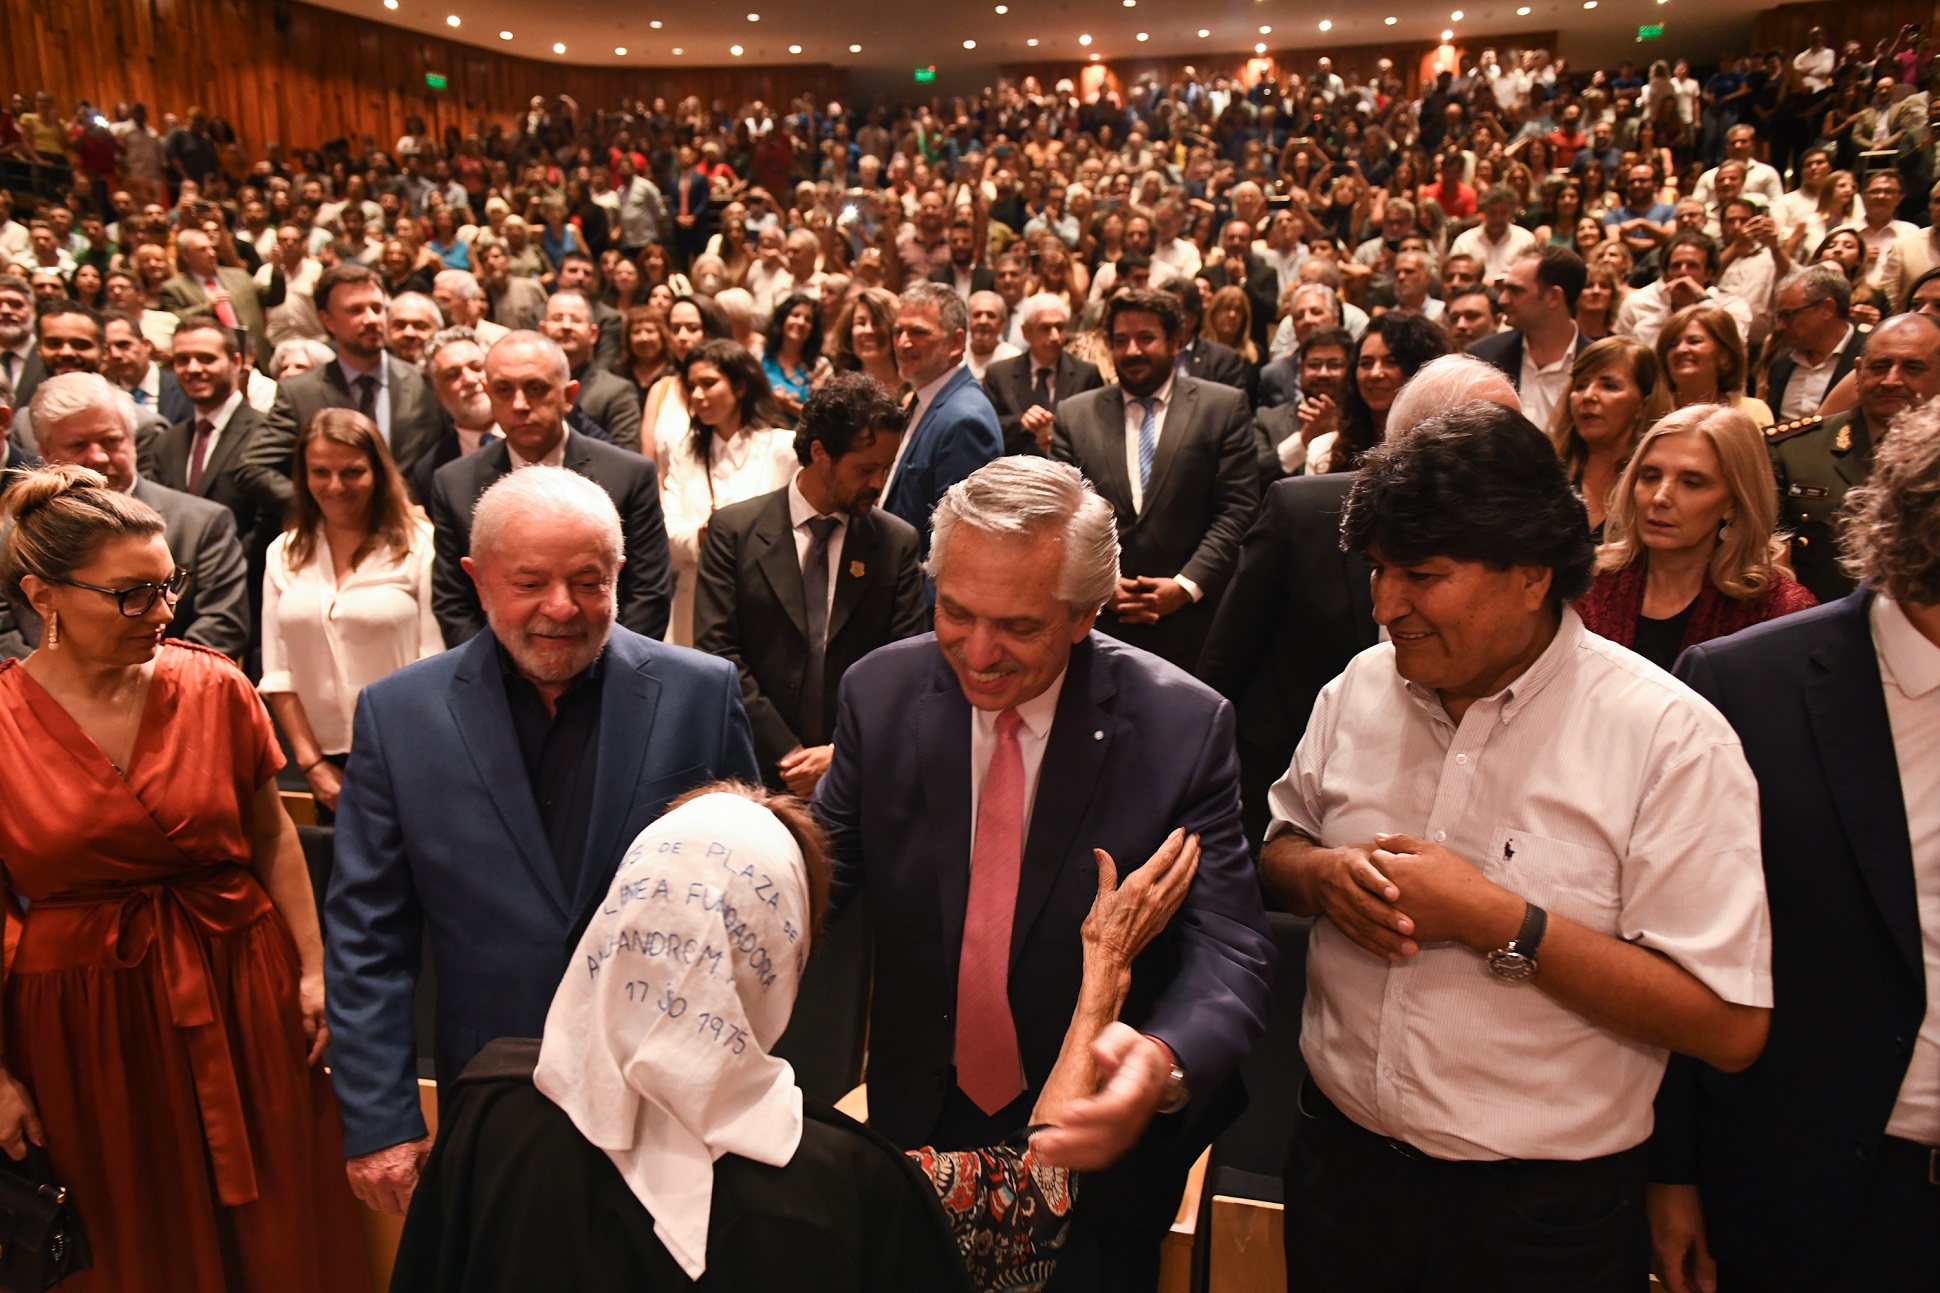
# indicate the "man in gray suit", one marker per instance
pixel 517 303
pixel 611 402
pixel 84 419
pixel 1174 456
pixel 392 393
pixel 232 295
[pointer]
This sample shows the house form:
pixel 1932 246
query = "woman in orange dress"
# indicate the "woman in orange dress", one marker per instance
pixel 164 1007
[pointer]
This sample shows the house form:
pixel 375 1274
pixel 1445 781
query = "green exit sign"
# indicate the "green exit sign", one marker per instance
pixel 1650 31
pixel 924 75
pixel 436 80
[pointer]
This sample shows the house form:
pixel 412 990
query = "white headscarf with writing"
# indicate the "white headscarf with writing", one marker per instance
pixel 656 1045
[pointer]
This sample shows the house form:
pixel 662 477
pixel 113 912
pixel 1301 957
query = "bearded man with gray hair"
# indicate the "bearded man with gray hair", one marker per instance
pixel 982 776
pixel 490 795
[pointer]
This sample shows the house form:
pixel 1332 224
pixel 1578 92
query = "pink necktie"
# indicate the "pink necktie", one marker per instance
pixel 198 451
pixel 224 310
pixel 988 1068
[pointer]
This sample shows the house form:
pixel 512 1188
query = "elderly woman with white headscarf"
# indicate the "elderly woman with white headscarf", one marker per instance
pixel 651 1140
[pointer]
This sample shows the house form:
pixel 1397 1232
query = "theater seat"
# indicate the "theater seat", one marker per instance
pixel 1239 1219
pixel 829 1030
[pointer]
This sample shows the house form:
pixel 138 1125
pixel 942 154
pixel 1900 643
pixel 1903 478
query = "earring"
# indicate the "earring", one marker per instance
pixel 1724 531
pixel 53 634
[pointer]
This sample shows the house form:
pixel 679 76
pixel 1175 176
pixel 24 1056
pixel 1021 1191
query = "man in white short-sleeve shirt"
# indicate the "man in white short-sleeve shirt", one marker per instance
pixel 1534 858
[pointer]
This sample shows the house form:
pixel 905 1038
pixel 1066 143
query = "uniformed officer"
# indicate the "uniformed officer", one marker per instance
pixel 1818 459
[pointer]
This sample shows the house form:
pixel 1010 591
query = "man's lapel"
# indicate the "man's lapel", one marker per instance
pixel 1074 760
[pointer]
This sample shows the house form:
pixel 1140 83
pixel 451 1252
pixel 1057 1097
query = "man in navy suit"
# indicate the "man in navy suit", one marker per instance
pixel 953 429
pixel 975 771
pixel 1819 1166
pixel 490 795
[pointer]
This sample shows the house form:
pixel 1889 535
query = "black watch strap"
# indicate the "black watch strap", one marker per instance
pixel 1534 922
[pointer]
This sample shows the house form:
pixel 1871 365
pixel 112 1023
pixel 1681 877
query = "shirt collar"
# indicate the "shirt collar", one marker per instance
pixel 1907 659
pixel 1035 714
pixel 382 372
pixel 1531 681
pixel 220 418
pixel 801 511
pixel 1163 395
pixel 927 394
pixel 555 457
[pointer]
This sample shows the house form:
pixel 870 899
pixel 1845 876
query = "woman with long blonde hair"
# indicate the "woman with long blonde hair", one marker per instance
pixel 1689 551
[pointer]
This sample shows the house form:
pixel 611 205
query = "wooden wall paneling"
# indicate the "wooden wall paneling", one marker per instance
pixel 1785 28
pixel 291 72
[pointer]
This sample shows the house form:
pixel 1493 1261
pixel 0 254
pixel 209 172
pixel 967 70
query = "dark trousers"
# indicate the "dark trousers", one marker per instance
pixel 1365 1215
pixel 1121 1216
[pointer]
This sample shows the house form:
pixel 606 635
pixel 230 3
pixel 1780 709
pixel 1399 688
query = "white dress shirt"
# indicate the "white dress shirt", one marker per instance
pixel 382 373
pixel 1543 385
pixel 1496 257
pixel 1597 787
pixel 1878 241
pixel 1644 313
pixel 800 513
pixel 1909 671
pixel 553 457
pixel 978 367
pixel 752 463
pixel 325 642
pixel 1807 388
pixel 1033 734
pixel 1134 419
pixel 219 422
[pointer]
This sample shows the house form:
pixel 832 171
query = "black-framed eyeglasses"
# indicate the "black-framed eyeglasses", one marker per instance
pixel 139 600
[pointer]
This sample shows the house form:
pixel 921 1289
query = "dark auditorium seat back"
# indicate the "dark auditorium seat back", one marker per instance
pixel 1246 1161
pixel 830 1027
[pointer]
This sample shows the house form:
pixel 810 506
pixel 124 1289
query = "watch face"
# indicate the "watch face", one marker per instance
pixel 1513 966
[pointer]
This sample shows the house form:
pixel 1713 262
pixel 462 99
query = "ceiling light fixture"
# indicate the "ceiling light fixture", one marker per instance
pixel 505 35
pixel 1448 35
pixel 1003 9
pixel 655 24
pixel 735 50
pixel 1326 24
pixel 754 17
pixel 1032 42
pixel 678 51
pixel 1084 40
pixel 794 49
pixel 451 20
pixel 1096 57
pixel 1145 35
pixel 558 48
pixel 390 4
pixel 1260 48
pixel 1203 33
pixel 620 51
pixel 969 44
pixel 1390 21
pixel 1456 16
pixel 855 49
pixel 1266 31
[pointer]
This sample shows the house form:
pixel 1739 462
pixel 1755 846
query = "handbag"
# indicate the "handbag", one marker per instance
pixel 42 1240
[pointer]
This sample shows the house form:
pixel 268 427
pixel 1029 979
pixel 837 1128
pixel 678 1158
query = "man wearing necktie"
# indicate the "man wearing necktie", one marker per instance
pixel 1025 389
pixel 228 293
pixel 975 770
pixel 797 585
pixel 1175 457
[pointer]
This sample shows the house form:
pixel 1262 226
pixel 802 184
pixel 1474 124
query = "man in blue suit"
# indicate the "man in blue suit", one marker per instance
pixel 953 430
pixel 974 772
pixel 1819 1166
pixel 490 795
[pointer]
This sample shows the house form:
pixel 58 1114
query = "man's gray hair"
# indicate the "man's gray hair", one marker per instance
pixel 416 298
pixel 544 494
pixel 1326 293
pixel 1031 306
pixel 1023 497
pixel 1441 384
pixel 942 298
pixel 1824 282
pixel 59 398
pixel 541 342
pixel 448 337
pixel 462 283
pixel 319 352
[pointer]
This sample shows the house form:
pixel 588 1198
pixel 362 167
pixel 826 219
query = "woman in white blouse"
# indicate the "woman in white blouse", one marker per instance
pixel 733 451
pixel 346 595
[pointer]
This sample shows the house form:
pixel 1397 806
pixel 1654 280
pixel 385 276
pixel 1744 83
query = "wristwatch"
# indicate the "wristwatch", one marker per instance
pixel 1176 1095
pixel 1517 961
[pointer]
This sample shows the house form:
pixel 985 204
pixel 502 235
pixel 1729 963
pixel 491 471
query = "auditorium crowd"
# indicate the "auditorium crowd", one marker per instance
pixel 1496 520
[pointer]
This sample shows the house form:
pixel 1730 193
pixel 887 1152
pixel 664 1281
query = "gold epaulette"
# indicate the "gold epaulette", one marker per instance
pixel 1786 430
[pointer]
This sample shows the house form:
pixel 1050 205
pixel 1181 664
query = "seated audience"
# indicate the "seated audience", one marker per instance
pixel 1688 552
pixel 165 997
pixel 346 593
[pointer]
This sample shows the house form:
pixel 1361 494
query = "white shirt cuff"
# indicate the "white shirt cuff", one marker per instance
pixel 1192 590
pixel 1293 454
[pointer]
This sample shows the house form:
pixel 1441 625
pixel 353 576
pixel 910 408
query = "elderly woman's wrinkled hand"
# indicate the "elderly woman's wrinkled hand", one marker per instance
pixel 1126 917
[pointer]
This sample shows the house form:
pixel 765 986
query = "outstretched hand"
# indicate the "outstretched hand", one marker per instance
pixel 1124 918
pixel 1095 1131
